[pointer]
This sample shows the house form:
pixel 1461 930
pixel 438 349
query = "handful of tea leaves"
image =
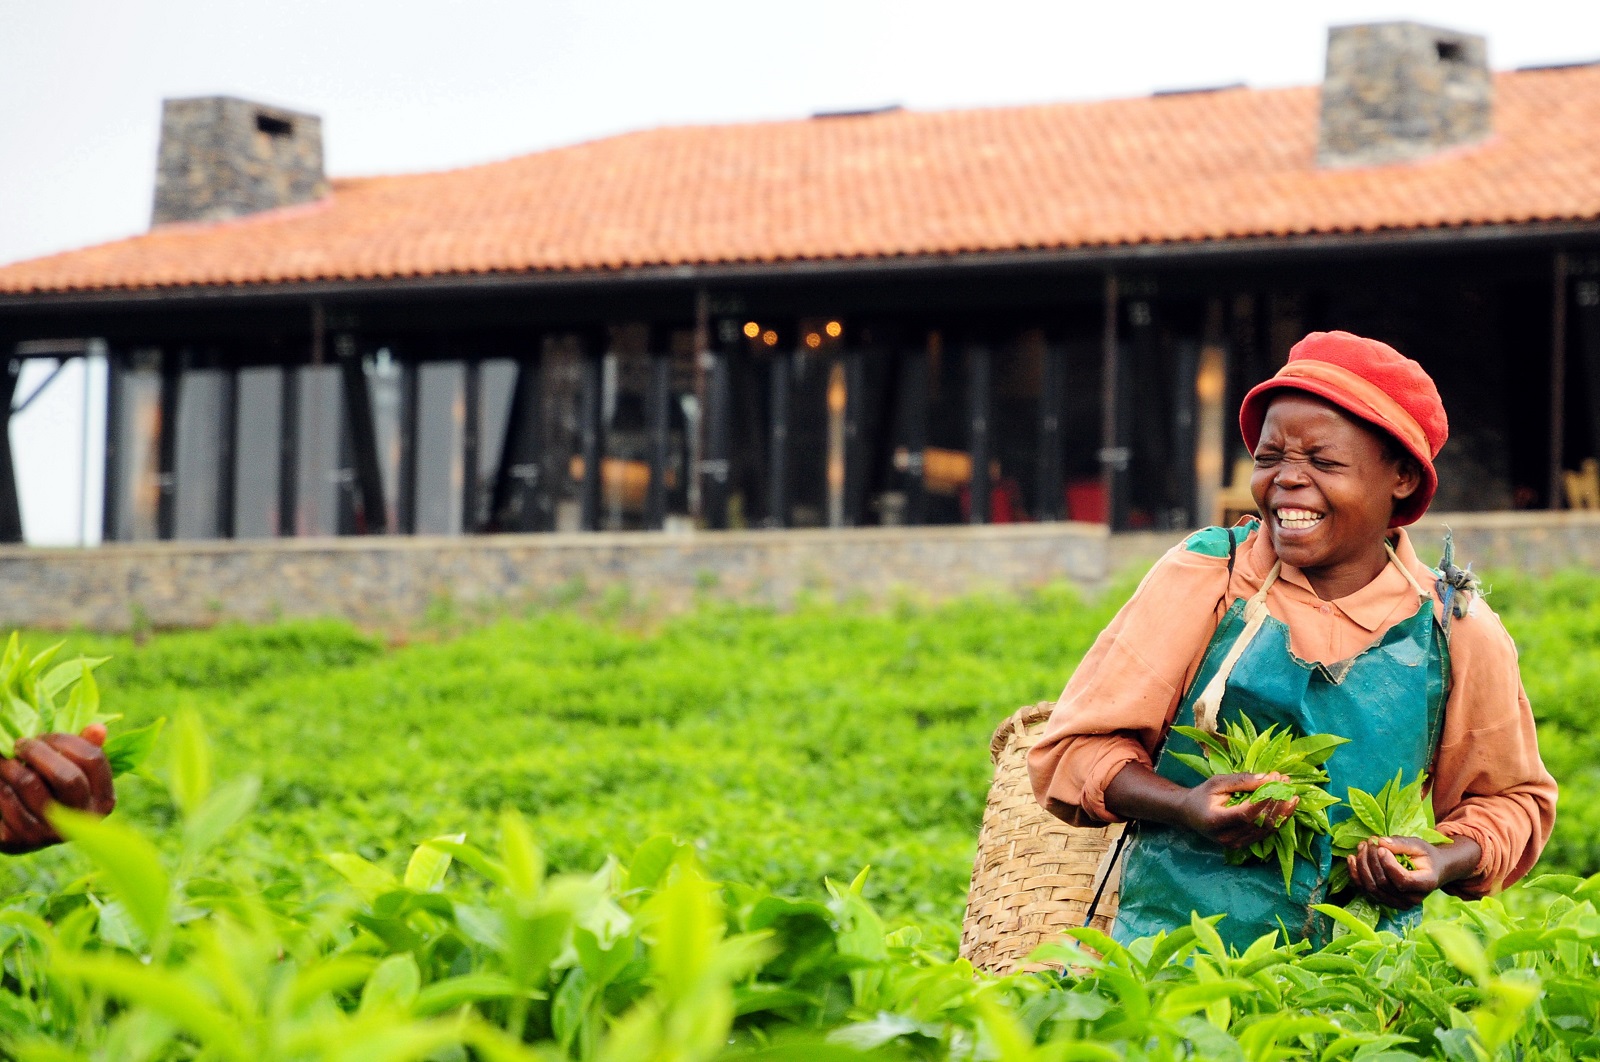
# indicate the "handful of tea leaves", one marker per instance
pixel 1397 811
pixel 1241 749
pixel 36 698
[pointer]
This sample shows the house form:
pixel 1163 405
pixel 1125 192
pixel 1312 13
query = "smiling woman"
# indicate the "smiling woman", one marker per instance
pixel 1317 619
pixel 1327 488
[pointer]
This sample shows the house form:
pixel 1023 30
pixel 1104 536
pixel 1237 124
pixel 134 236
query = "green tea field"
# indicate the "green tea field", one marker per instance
pixel 578 781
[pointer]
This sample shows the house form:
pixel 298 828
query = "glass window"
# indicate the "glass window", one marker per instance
pixel 497 381
pixel 624 411
pixel 324 475
pixel 198 460
pixel 383 384
pixel 561 399
pixel 441 427
pixel 139 448
pixel 258 460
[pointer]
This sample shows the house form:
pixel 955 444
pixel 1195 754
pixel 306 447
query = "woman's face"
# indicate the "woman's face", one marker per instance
pixel 1326 486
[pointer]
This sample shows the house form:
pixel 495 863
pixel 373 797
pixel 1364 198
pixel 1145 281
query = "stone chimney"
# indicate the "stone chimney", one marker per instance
pixel 1398 91
pixel 222 157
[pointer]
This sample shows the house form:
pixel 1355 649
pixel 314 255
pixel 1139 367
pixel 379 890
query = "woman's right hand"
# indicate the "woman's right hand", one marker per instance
pixel 1207 812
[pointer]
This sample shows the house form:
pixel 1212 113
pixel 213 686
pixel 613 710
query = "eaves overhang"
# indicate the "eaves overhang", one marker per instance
pixel 1244 251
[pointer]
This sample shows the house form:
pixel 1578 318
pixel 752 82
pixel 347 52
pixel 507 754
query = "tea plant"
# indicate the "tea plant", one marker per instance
pixel 36 698
pixel 1240 749
pixel 1397 811
pixel 472 951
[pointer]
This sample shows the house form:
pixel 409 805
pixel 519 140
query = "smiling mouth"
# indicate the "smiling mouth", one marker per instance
pixel 1297 519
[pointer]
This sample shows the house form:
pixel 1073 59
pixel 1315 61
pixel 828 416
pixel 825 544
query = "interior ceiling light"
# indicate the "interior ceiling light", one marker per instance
pixel 752 329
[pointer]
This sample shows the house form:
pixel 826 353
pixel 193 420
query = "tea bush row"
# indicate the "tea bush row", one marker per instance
pixel 785 746
pixel 143 960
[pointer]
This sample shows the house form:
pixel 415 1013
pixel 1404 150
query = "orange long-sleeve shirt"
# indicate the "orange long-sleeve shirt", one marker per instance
pixel 1489 783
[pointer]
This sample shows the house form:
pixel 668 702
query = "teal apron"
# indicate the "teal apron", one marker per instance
pixel 1388 700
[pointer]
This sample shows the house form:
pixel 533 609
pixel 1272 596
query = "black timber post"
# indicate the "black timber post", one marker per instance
pixel 111 506
pixel 884 341
pixel 1186 365
pixel 1141 353
pixel 289 454
pixel 472 515
pixel 374 516
pixel 591 430
pixel 658 421
pixel 1588 314
pixel 855 401
pixel 1052 403
pixel 779 369
pixel 520 501
pixel 1113 420
pixel 10 504
pixel 717 463
pixel 405 496
pixel 227 452
pixel 979 404
pixel 915 411
pixel 1558 379
pixel 167 445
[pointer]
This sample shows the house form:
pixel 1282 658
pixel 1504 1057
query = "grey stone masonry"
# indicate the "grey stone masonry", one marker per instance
pixel 396 582
pixel 222 157
pixel 1399 91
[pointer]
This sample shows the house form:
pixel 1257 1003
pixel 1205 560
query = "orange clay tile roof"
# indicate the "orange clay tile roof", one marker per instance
pixel 1171 169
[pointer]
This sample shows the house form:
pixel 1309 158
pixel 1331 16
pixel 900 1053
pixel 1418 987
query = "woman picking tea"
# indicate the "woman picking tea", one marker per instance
pixel 1318 618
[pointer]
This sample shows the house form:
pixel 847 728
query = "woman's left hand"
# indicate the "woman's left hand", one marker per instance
pixel 1376 871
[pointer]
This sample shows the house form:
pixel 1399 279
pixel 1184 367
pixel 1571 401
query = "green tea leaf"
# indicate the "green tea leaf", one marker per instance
pixel 1369 813
pixel 129 865
pixel 429 863
pixel 524 863
pixel 191 764
pixel 1316 748
pixel 1274 791
pixel 368 878
pixel 129 750
pixel 1460 948
pixel 393 985
pixel 1352 924
pixel 1199 764
pixel 226 805
pixel 453 992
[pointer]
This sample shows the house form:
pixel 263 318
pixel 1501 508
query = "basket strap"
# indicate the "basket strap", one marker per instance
pixel 1105 878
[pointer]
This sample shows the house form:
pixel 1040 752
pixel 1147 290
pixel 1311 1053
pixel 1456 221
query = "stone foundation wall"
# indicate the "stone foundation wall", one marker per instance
pixel 397 581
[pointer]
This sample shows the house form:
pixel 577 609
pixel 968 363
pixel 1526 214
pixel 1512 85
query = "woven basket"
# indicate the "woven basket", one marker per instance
pixel 1034 876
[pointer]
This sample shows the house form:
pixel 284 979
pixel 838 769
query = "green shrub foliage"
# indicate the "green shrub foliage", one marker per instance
pixel 481 951
pixel 424 871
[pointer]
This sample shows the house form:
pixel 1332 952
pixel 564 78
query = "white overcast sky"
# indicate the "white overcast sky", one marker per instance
pixel 407 85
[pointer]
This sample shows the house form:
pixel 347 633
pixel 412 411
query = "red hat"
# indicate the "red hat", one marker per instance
pixel 1372 382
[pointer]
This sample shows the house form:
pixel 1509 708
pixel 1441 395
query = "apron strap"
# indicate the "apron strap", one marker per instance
pixel 1255 615
pixel 1394 558
pixel 1209 703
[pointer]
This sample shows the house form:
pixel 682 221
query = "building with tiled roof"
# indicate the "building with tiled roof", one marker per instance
pixel 1036 312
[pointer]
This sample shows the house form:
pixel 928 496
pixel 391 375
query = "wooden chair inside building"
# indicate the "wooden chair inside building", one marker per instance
pixel 1583 486
pixel 1235 502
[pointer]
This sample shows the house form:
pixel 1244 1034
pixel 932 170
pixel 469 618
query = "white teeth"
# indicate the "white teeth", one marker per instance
pixel 1298 519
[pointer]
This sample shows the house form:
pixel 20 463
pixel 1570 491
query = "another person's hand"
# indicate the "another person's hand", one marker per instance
pixel 1376 870
pixel 65 769
pixel 1208 813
